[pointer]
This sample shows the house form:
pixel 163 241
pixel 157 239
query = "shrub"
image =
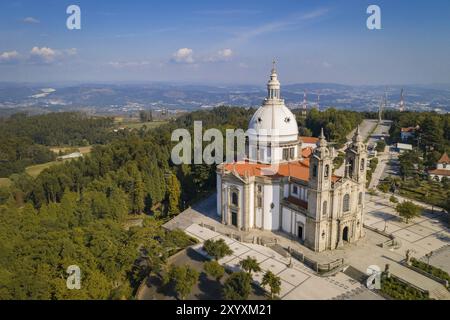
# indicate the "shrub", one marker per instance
pixel 217 249
pixel 237 286
pixel 214 269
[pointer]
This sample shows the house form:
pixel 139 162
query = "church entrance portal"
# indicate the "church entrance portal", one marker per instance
pixel 234 218
pixel 345 234
pixel 300 232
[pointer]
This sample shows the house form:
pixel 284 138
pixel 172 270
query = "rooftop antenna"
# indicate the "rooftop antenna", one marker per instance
pixel 380 111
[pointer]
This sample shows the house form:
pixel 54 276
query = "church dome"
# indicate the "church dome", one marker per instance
pixel 273 121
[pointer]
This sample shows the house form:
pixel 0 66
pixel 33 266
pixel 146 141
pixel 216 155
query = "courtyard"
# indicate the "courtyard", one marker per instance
pixel 422 235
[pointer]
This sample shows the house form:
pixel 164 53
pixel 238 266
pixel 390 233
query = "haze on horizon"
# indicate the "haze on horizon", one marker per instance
pixel 229 42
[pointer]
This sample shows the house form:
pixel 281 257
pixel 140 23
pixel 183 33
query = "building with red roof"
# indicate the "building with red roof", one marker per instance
pixel 287 183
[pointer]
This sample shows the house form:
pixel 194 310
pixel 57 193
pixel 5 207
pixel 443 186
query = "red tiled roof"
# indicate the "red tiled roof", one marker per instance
pixel 296 169
pixel 309 139
pixel 444 159
pixel 307 152
pixel 440 172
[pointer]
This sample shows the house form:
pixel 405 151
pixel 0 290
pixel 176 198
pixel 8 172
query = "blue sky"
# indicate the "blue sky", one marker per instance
pixel 229 42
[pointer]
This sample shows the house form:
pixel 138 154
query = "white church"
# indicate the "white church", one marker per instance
pixel 284 186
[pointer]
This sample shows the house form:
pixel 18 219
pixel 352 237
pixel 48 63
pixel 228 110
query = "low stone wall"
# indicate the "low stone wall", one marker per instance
pixel 318 267
pixel 383 233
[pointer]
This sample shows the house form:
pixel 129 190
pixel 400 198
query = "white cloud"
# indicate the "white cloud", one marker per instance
pixel 31 20
pixel 276 26
pixel 71 51
pixel 9 57
pixel 326 64
pixel 43 54
pixel 184 55
pixel 221 55
pixel 48 55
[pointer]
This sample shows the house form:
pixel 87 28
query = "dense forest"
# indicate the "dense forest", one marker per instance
pixel 337 124
pixel 24 140
pixel 77 212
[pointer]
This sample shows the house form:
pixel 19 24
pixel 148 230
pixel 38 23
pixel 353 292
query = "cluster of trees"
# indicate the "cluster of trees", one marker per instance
pixel 337 124
pixel 433 136
pixel 37 246
pixel 24 140
pixel 237 286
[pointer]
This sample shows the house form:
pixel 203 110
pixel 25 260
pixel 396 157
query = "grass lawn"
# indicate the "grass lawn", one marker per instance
pixel 35 170
pixel 430 192
pixel 5 182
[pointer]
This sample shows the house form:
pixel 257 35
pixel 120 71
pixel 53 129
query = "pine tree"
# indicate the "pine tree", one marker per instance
pixel 173 195
pixel 137 190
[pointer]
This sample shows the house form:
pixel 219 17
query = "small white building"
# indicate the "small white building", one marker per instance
pixel 402 147
pixel 442 168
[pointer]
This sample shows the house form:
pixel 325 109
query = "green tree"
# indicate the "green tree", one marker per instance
pixel 184 278
pixel 408 210
pixel 273 282
pixel 173 195
pixel 237 286
pixel 217 249
pixel 250 265
pixel 214 269
pixel 381 145
pixel 136 190
pixel 410 163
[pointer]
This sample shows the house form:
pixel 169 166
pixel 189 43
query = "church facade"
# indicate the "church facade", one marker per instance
pixel 284 186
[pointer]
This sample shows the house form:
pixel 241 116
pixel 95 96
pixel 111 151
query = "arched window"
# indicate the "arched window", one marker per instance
pixel 327 171
pixel 315 170
pixel 360 198
pixel 362 164
pixel 324 209
pixel 346 204
pixel 350 167
pixel 234 198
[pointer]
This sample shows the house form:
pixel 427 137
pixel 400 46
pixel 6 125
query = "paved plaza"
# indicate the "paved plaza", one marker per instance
pixel 297 282
pixel 421 235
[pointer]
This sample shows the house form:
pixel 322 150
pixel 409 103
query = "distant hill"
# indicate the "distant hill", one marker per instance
pixel 129 98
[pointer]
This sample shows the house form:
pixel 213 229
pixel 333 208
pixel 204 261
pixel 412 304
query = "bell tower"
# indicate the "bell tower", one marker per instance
pixel 319 195
pixel 356 159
